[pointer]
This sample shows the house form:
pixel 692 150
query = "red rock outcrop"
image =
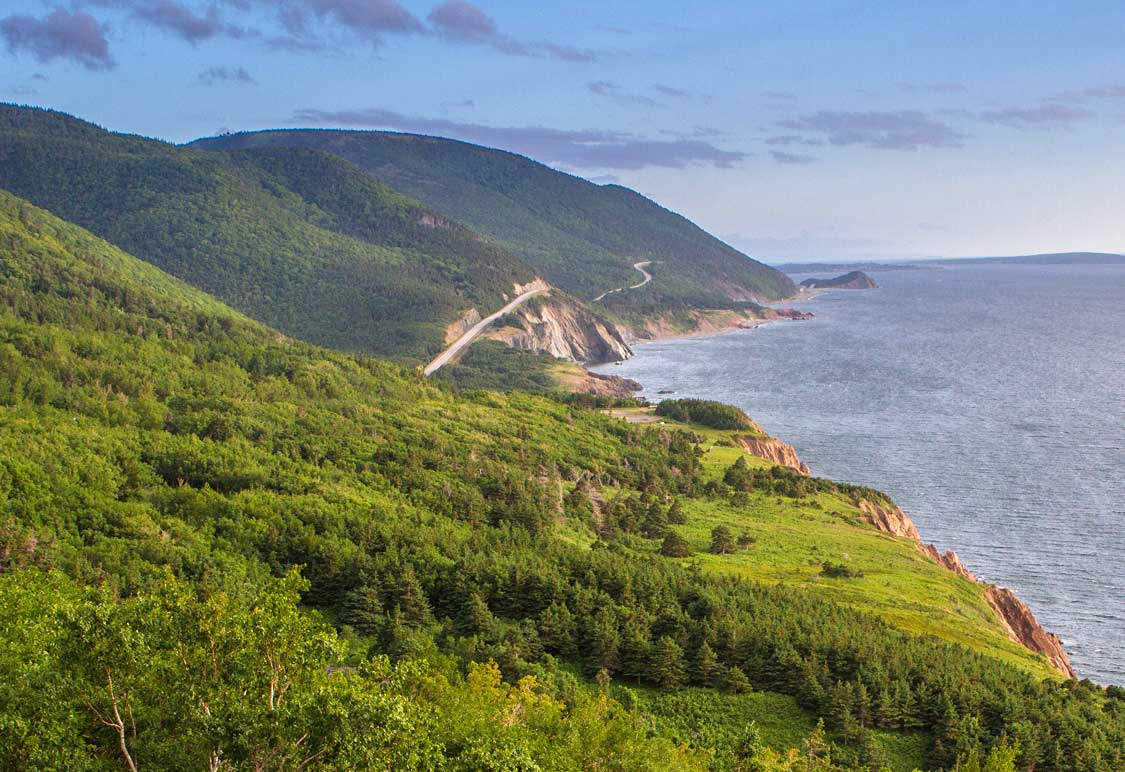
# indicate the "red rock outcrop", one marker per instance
pixel 1017 618
pixel 949 560
pixel 1023 627
pixel 890 519
pixel 773 450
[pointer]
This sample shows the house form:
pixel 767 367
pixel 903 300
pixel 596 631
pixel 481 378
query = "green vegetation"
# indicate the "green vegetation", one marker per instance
pixel 583 237
pixel 300 240
pixel 489 364
pixel 714 415
pixel 166 463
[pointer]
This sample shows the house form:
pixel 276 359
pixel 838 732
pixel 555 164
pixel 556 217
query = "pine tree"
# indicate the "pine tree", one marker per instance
pixel 722 541
pixel 556 628
pixel 364 611
pixel 667 666
pixel 676 514
pixel 707 668
pixel 675 546
pixel 735 681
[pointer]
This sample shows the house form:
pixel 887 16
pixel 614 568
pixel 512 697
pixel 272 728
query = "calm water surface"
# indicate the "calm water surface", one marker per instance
pixel 988 401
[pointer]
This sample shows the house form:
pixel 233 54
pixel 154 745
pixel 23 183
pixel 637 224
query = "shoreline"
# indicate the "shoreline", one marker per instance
pixel 741 323
pixel 1015 615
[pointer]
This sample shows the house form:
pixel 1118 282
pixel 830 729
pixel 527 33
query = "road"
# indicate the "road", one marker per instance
pixel 473 332
pixel 640 267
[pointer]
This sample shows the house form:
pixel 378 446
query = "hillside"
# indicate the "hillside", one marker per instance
pixel 300 240
pixel 172 462
pixel 582 237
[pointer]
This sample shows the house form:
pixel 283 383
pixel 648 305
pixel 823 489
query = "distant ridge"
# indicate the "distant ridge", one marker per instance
pixel 580 236
pixel 1047 258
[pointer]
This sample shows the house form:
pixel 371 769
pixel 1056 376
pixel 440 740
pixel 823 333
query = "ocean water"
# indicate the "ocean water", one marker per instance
pixel 988 401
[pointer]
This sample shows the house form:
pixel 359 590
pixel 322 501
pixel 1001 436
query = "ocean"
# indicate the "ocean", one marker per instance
pixel 988 401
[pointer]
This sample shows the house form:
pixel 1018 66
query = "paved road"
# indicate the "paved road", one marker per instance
pixel 474 331
pixel 640 267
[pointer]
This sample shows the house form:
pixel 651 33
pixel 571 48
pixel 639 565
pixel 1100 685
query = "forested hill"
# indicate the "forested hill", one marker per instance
pixel 299 239
pixel 583 237
pixel 167 464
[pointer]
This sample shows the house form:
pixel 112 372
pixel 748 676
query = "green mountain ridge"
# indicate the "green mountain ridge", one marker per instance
pixel 166 463
pixel 583 237
pixel 300 240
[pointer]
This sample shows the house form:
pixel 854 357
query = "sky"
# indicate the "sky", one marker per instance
pixel 794 130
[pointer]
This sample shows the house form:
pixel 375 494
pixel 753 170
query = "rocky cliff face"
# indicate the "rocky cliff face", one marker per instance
pixel 773 450
pixel 890 519
pixel 1021 624
pixel 1023 627
pixel 461 326
pixel 703 322
pixel 563 328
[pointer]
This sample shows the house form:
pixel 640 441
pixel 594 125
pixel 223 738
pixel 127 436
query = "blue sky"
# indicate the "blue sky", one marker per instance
pixel 795 130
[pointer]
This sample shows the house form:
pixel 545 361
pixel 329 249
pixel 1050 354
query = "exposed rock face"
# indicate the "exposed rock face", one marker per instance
pixel 1023 627
pixel 1016 617
pixel 431 220
pixel 785 313
pixel 773 450
pixel 703 322
pixel 853 280
pixel 461 326
pixel 890 519
pixel 563 328
pixel 607 385
pixel 950 561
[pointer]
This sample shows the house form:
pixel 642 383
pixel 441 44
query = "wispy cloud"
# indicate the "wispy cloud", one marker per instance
pixel 61 34
pixel 214 75
pixel 791 158
pixel 946 87
pixel 792 139
pixel 901 130
pixel 577 148
pixel 616 93
pixel 1115 91
pixel 671 91
pixel 186 21
pixel 459 21
pixel 1043 116
pixel 307 26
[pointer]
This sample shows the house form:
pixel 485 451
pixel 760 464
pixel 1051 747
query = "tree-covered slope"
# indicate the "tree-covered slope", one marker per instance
pixel 300 240
pixel 172 462
pixel 583 237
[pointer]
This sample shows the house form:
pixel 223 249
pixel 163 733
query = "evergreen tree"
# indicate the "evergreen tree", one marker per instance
pixel 735 681
pixel 722 541
pixel 675 546
pixel 707 667
pixel 667 666
pixel 676 514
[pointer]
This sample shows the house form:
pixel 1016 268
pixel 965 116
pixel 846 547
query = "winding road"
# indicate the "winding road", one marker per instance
pixel 473 332
pixel 640 267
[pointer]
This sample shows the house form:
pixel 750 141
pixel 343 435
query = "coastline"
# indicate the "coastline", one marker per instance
pixel 1014 615
pixel 724 321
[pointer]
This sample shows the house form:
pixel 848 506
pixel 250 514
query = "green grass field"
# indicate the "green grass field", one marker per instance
pixel 793 537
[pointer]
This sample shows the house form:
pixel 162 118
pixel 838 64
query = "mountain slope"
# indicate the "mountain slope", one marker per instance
pixel 300 240
pixel 583 237
pixel 148 431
